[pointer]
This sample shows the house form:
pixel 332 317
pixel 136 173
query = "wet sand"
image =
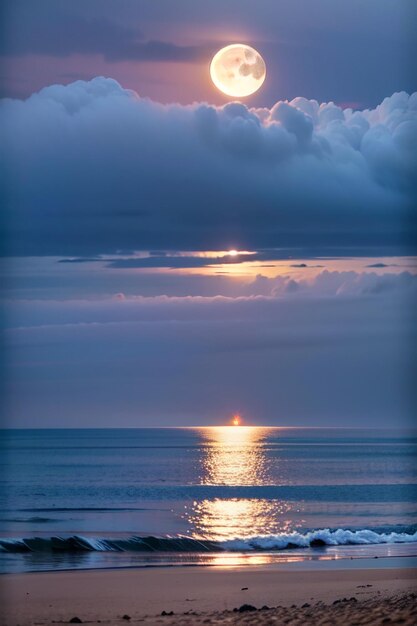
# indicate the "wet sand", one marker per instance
pixel 198 595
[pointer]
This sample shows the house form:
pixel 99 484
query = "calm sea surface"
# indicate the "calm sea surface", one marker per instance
pixel 108 498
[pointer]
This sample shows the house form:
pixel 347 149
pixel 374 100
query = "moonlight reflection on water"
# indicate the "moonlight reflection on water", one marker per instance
pixel 235 457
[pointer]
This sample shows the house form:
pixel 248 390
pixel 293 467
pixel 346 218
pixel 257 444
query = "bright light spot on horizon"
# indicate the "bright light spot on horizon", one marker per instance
pixel 233 253
pixel 236 420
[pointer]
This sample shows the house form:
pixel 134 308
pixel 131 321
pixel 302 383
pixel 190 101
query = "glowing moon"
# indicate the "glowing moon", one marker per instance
pixel 238 70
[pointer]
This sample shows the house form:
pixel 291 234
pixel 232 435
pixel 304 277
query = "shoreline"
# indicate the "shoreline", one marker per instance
pixel 382 556
pixel 206 592
pixel 229 561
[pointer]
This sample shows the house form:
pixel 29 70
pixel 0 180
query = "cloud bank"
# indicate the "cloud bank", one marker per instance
pixel 333 351
pixel 256 300
pixel 92 168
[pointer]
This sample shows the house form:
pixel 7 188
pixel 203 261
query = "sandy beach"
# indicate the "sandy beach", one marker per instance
pixel 209 595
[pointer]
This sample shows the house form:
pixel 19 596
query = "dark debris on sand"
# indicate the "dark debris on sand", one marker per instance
pixel 398 609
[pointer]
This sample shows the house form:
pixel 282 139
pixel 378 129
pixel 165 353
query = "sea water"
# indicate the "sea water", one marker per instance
pixel 219 495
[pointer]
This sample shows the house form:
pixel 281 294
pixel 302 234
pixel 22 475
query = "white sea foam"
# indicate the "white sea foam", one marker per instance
pixel 325 536
pixel 317 538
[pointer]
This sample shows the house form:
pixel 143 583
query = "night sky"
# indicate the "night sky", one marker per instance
pixel 128 178
pixel 353 53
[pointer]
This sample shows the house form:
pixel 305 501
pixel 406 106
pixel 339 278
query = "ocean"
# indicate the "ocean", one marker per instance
pixel 227 496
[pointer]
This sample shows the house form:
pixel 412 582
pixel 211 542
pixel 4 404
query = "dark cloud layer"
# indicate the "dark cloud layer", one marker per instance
pixel 75 34
pixel 92 168
pixel 167 261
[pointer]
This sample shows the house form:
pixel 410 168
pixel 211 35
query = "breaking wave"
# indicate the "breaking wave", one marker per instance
pixel 283 541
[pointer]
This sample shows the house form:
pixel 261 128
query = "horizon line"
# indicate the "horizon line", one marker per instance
pixel 409 428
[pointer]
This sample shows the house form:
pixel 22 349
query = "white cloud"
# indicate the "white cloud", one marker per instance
pixel 91 167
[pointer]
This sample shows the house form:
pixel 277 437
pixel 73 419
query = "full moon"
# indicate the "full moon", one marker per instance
pixel 238 70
